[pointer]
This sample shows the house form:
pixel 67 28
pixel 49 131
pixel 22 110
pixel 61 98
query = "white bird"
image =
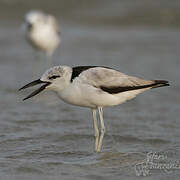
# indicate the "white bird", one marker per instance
pixel 93 87
pixel 42 31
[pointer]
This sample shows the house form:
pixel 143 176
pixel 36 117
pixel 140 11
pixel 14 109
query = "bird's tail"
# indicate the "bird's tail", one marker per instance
pixel 160 83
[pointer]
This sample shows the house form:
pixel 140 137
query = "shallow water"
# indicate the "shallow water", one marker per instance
pixel 44 138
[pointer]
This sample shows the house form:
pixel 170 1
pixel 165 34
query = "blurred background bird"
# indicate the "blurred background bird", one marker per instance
pixel 42 31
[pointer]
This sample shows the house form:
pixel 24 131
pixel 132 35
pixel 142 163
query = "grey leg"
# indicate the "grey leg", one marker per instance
pixel 37 66
pixel 96 131
pixel 100 110
pixel 49 61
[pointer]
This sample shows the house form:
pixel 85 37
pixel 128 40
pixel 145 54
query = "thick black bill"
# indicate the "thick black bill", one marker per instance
pixel 33 83
pixel 36 82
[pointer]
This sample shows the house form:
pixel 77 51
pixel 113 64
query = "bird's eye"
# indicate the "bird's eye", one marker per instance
pixel 54 77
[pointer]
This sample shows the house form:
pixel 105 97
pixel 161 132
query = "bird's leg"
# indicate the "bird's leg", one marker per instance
pixel 37 56
pixel 49 60
pixel 100 110
pixel 96 131
pixel 37 66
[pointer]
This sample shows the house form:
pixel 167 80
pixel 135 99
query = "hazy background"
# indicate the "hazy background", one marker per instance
pixel 44 138
pixel 110 13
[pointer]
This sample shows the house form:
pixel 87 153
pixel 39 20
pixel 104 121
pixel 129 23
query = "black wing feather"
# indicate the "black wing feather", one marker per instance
pixel 115 90
pixel 76 71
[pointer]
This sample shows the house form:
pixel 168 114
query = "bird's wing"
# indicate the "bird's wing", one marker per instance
pixel 54 23
pixel 112 81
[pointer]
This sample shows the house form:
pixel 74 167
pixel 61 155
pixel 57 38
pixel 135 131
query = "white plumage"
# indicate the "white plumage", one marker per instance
pixel 93 87
pixel 42 31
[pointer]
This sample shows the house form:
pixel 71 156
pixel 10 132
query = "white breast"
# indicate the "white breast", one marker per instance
pixel 43 37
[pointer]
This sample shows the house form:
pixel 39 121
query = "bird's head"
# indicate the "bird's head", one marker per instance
pixel 34 18
pixel 56 79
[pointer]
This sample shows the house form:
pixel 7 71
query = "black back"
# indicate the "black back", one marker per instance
pixel 79 69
